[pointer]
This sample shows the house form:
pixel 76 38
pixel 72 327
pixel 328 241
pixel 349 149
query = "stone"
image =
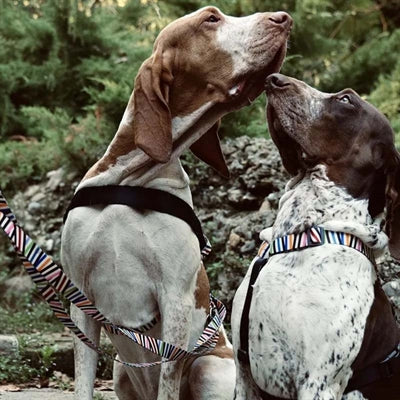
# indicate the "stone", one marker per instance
pixel 49 245
pixel 234 240
pixel 8 345
pixel 34 208
pixel 38 197
pixel 248 247
pixel 32 190
pixel 55 179
pixel 17 286
pixel 392 288
pixel 265 206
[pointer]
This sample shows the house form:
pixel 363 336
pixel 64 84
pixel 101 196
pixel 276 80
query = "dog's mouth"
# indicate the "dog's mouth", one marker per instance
pixel 249 86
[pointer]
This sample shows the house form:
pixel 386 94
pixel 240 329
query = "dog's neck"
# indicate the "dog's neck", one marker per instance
pixel 124 164
pixel 170 177
pixel 313 199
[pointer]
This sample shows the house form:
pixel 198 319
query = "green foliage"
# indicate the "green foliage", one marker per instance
pixel 27 315
pixel 386 96
pixel 22 368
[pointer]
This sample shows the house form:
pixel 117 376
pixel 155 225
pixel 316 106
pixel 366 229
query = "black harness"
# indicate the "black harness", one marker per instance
pixel 361 380
pixel 139 198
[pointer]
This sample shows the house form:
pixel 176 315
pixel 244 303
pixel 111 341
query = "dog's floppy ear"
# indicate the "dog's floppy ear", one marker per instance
pixel 289 151
pixel 208 149
pixel 393 205
pixel 147 115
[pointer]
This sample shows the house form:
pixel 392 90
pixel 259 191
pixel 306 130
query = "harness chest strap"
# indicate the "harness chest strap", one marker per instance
pixel 52 282
pixel 141 198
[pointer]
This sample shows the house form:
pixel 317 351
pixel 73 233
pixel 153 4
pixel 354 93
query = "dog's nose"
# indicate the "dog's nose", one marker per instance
pixel 277 81
pixel 281 18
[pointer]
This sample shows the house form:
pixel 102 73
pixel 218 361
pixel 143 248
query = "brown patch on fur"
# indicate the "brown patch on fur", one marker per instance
pixel 381 334
pixel 122 144
pixel 221 349
pixel 202 293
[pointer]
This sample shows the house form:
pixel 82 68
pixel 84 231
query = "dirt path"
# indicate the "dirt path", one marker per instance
pixel 49 394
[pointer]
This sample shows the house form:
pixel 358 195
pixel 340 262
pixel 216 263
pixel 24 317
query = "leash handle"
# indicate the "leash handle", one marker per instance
pixel 50 279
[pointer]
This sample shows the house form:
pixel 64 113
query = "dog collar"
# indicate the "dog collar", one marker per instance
pixel 312 237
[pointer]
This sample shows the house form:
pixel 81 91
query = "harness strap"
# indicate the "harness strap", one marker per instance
pixel 52 282
pixel 141 198
pixel 243 351
pixel 312 237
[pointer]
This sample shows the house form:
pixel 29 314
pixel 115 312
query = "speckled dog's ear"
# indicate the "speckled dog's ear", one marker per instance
pixel 393 205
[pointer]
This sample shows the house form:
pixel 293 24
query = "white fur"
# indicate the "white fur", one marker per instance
pixel 241 36
pixel 181 124
pixel 309 307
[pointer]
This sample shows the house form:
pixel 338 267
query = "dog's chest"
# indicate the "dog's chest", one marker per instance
pixel 308 317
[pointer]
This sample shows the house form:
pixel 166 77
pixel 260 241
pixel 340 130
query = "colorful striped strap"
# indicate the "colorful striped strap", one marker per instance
pixel 312 237
pixel 52 283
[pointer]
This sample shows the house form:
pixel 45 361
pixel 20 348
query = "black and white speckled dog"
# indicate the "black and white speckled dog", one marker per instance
pixel 319 315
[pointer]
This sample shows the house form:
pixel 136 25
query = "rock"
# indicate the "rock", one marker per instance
pixel 49 245
pixel 265 206
pixel 248 247
pixel 392 288
pixel 16 287
pixel 32 190
pixel 8 345
pixel 234 240
pixel 38 197
pixel 34 208
pixel 55 179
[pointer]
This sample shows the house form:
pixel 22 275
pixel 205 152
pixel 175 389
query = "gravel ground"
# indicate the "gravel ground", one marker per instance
pixel 48 394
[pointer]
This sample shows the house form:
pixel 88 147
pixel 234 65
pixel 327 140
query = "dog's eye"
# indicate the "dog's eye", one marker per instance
pixel 345 99
pixel 212 18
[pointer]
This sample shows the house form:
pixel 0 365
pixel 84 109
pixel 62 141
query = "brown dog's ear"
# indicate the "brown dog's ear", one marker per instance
pixel 208 149
pixel 393 206
pixel 147 115
pixel 289 150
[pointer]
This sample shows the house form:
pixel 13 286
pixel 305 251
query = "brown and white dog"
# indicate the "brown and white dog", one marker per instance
pixel 319 315
pixel 135 264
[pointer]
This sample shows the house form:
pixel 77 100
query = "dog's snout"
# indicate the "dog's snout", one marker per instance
pixel 281 18
pixel 277 81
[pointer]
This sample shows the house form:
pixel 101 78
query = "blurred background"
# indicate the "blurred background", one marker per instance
pixel 67 68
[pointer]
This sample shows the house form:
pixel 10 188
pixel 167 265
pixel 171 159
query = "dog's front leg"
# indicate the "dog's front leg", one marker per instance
pixel 176 323
pixel 85 357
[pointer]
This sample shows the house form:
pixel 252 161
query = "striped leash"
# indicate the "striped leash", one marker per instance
pixel 52 283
